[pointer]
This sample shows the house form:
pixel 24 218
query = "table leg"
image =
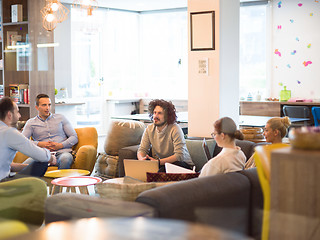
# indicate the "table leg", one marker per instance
pixel 84 190
pixel 52 191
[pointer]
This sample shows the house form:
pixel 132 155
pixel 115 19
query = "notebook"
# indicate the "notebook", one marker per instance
pixel 138 168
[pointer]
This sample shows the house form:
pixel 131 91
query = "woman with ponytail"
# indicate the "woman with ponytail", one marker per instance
pixel 231 158
pixel 276 129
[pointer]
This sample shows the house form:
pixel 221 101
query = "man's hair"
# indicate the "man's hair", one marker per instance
pixel 168 107
pixel 6 105
pixel 41 95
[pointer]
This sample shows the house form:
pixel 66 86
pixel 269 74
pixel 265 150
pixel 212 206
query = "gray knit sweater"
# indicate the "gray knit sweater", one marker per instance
pixel 170 141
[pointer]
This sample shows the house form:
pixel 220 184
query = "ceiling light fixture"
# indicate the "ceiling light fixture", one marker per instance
pixel 53 13
pixel 89 5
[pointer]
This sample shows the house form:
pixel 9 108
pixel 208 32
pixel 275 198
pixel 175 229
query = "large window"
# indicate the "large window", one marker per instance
pixel 253 51
pixel 121 55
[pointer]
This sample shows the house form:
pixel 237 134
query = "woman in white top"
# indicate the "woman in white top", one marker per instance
pixel 231 158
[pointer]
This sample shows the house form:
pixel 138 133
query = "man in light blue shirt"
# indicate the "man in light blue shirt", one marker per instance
pixel 11 141
pixel 51 131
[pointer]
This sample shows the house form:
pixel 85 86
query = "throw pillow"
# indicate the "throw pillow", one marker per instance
pixel 168 177
pixel 123 134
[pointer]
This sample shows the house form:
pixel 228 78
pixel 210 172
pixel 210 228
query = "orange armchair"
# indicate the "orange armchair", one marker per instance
pixel 85 150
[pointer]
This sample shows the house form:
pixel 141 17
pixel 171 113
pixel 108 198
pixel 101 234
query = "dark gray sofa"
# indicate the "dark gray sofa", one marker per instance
pixel 233 201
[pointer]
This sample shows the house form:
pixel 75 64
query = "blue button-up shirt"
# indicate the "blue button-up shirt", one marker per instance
pixel 56 128
pixel 11 141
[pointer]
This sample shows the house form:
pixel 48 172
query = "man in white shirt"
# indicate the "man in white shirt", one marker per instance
pixel 11 141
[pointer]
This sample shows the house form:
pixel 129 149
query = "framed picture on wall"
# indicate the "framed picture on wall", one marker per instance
pixel 202 31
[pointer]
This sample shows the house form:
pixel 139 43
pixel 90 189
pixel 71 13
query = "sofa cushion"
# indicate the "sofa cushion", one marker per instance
pixel 196 151
pixel 256 202
pixel 106 166
pixel 246 146
pixel 68 206
pixel 122 134
pixel 126 188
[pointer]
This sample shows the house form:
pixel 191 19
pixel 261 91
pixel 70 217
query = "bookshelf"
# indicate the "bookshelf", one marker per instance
pixel 21 56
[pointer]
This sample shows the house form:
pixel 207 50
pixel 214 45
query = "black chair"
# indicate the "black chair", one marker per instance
pixel 297 112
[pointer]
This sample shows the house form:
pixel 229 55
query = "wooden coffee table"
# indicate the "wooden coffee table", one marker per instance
pixel 129 228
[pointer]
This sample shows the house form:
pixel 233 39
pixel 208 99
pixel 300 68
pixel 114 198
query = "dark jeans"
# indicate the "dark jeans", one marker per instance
pixel 34 169
pixel 178 163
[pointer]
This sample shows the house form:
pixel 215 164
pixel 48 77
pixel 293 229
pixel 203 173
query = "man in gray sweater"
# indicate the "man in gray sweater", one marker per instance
pixel 165 137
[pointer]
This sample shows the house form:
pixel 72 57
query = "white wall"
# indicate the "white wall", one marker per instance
pixel 294 28
pixel 216 95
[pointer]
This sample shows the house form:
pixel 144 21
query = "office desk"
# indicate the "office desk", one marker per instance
pixel 182 117
pixel 260 121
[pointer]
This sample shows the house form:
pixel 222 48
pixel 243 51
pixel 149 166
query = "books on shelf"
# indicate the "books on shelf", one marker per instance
pixel 16 13
pixel 20 93
pixel 1 91
pixel 9 37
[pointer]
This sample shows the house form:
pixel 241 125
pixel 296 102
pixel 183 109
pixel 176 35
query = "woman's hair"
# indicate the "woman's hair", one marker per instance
pixel 227 126
pixel 168 107
pixel 280 124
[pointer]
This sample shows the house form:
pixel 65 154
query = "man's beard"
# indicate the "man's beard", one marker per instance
pixel 160 124
pixel 14 124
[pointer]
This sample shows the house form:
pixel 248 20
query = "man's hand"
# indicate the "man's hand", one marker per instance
pixel 44 144
pixel 54 146
pixel 53 160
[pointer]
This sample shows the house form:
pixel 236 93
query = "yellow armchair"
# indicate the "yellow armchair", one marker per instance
pixel 85 150
pixel 262 158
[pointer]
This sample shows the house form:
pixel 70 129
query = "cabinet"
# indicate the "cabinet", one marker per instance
pixel 25 61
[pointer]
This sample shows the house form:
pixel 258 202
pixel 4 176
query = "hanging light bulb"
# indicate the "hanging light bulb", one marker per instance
pixel 54 6
pixel 50 17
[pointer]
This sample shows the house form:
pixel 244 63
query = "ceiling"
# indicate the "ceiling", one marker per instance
pixel 139 5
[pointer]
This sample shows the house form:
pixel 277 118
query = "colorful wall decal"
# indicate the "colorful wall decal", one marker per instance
pixel 279 26
pixel 300 4
pixel 279 4
pixel 288 65
pixel 293 52
pixel 306 63
pixel 311 14
pixel 277 52
pixel 309 45
pixel 298 82
pixel 297 39
pixel 291 20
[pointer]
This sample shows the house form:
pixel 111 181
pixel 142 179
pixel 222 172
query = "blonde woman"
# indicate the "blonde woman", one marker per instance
pixel 275 130
pixel 231 158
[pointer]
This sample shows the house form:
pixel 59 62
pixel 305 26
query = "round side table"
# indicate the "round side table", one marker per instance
pixel 71 183
pixel 62 173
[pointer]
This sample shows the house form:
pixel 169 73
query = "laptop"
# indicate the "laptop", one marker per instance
pixel 138 168
pixel 206 149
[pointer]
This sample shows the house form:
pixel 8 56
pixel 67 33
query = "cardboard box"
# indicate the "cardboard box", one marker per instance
pixel 16 13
